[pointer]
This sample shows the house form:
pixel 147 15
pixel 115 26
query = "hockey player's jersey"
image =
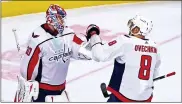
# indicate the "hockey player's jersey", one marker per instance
pixel 48 56
pixel 136 65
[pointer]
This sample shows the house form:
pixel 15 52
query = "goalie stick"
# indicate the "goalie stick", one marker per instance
pixel 104 89
pixel 17 42
pixel 16 39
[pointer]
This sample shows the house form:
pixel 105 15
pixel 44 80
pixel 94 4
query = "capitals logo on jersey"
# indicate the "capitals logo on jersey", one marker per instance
pixel 61 54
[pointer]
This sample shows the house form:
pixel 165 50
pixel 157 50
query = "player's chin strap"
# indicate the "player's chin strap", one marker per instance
pixel 58 98
pixel 27 90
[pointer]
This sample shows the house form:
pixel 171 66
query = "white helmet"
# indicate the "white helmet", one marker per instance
pixel 144 25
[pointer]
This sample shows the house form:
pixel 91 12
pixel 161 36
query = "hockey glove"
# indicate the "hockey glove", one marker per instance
pixel 91 30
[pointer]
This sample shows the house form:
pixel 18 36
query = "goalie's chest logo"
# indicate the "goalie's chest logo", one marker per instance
pixel 63 55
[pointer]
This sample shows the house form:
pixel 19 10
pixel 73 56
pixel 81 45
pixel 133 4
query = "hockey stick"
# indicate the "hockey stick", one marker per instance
pixel 164 76
pixel 66 93
pixel 104 89
pixel 16 39
pixel 17 43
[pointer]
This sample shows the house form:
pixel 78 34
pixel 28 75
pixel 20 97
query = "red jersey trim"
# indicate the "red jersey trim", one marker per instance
pixel 77 40
pixel 112 42
pixel 32 63
pixel 125 99
pixel 52 87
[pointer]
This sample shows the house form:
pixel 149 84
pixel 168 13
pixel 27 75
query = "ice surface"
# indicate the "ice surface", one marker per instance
pixel 84 77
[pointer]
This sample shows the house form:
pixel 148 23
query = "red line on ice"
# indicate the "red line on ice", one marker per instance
pixel 8 76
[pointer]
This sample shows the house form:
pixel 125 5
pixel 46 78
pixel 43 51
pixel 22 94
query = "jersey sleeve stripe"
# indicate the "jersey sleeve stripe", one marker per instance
pixel 125 99
pixel 77 40
pixel 32 63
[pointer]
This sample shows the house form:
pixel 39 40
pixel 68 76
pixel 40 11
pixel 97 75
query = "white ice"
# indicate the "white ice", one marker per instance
pixel 166 17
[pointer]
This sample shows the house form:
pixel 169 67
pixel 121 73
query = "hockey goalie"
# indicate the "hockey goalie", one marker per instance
pixel 45 63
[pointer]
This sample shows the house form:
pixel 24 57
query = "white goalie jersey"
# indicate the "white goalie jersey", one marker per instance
pixel 136 65
pixel 47 57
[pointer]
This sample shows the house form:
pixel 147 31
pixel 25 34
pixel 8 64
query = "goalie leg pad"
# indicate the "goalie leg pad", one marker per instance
pixel 58 98
pixel 27 90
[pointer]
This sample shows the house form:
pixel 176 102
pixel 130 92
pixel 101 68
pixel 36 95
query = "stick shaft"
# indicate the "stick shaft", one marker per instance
pixel 105 93
pixel 16 39
pixel 164 76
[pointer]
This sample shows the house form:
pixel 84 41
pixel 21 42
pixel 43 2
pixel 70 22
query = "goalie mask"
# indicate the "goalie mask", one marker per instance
pixel 56 16
pixel 139 26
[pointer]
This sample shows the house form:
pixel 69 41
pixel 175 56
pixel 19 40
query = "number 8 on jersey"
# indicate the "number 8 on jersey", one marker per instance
pixel 145 64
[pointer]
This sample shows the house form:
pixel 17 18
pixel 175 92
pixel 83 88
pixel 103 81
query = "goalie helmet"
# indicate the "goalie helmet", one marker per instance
pixel 139 26
pixel 56 16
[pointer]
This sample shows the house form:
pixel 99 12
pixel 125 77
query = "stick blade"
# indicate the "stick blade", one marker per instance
pixel 104 90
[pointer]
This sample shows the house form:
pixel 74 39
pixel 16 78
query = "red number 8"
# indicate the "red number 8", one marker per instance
pixel 145 64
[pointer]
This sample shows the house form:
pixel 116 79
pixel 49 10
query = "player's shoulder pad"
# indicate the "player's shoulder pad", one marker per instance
pixel 126 36
pixel 68 31
pixel 37 36
pixel 119 39
pixel 152 42
pixel 38 32
pixel 123 37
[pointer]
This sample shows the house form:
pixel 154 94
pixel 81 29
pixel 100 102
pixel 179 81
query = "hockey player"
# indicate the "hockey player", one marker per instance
pixel 45 64
pixel 136 63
